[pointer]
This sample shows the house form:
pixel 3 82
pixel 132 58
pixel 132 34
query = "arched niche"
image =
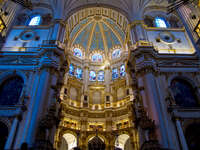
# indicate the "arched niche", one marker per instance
pixel 69 142
pixel 123 142
pixel 96 143
pixel 11 90
pixel 184 93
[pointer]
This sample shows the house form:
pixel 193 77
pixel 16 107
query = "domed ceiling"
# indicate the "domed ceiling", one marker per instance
pixel 98 34
pixel 104 30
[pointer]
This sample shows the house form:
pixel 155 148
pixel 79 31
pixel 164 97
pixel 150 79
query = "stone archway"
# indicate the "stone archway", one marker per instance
pixel 123 142
pixel 96 143
pixel 69 142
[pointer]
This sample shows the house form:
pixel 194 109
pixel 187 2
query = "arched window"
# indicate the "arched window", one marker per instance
pixel 10 91
pixel 115 73
pixel 79 73
pixel 122 71
pixel 71 69
pixel 92 76
pixel 35 21
pixel 77 52
pixel 116 53
pixel 184 93
pixel 97 58
pixel 160 22
pixel 101 75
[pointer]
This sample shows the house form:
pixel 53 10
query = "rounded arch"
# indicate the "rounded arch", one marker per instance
pixel 109 6
pixel 99 135
pixel 4 76
pixel 11 91
pixel 184 93
pixel 151 13
pixel 122 142
pixel 96 143
pixel 71 141
pixel 187 78
pixel 44 10
pixel 93 29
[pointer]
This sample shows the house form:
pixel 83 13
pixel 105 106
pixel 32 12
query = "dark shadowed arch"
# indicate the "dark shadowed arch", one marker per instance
pixel 184 93
pixel 10 90
pixel 96 144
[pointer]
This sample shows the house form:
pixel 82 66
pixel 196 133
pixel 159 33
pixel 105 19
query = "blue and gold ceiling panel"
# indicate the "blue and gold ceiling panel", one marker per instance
pixel 82 38
pixel 97 39
pixel 111 38
pixel 109 21
pixel 97 33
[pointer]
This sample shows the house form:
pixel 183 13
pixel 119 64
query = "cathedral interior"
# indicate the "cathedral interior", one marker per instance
pixel 99 74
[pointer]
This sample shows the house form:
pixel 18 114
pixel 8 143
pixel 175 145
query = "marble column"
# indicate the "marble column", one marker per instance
pixel 154 109
pixel 39 102
pixel 86 78
pixel 181 135
pixel 11 134
pixel 138 31
pixel 107 77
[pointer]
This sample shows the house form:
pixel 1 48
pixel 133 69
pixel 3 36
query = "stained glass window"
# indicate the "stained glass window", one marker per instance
pixel 10 91
pixel 79 73
pixel 71 69
pixel 35 21
pixel 97 58
pixel 114 73
pixel 116 53
pixel 160 22
pixel 77 52
pixel 122 71
pixel 92 76
pixel 101 76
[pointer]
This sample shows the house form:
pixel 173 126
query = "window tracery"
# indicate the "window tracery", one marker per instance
pixel 79 73
pixel 122 70
pixel 116 53
pixel 115 73
pixel 77 52
pixel 35 21
pixel 71 69
pixel 92 76
pixel 160 22
pixel 97 58
pixel 101 75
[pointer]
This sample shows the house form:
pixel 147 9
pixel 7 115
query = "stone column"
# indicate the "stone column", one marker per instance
pixel 86 78
pixel 39 101
pixel 181 135
pixel 55 30
pixel 153 105
pixel 37 105
pixel 138 31
pixel 107 77
pixel 11 134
